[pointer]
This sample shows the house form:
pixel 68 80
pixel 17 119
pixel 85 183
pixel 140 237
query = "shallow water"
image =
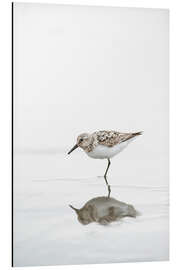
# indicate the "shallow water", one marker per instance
pixel 46 229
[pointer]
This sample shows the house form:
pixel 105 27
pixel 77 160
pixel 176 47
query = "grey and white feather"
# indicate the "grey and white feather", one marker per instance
pixel 104 144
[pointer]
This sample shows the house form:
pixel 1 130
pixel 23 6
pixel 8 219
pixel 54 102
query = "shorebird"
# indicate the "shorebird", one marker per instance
pixel 104 144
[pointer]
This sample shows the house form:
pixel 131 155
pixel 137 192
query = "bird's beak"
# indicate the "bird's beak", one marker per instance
pixel 76 146
pixel 75 209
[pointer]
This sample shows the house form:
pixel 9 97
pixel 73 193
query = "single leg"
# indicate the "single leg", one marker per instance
pixel 108 186
pixel 109 163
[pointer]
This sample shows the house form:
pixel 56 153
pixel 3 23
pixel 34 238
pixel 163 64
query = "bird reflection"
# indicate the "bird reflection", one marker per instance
pixel 104 210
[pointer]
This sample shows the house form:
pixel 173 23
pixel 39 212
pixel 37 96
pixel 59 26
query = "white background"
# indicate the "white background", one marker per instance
pixel 5 139
pixel 73 63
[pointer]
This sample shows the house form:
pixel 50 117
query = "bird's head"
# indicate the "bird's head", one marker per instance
pixel 83 141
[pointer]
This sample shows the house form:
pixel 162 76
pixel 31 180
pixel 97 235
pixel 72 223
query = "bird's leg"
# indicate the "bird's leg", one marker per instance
pixel 108 186
pixel 107 168
pixel 105 177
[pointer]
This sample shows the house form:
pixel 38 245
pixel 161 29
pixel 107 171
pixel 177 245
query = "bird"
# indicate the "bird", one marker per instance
pixel 104 144
pixel 104 210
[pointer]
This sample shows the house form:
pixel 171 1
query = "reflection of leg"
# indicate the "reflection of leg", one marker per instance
pixel 107 167
pixel 106 181
pixel 105 177
pixel 109 191
pixel 108 186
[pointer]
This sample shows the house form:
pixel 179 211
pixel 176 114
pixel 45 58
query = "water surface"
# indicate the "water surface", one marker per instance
pixel 46 229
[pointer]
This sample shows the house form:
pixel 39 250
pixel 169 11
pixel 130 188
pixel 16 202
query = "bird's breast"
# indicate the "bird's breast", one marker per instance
pixel 104 152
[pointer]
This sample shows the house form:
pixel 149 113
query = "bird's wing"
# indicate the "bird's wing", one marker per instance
pixel 111 138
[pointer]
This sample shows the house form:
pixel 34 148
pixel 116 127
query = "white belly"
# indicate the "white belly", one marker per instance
pixel 102 151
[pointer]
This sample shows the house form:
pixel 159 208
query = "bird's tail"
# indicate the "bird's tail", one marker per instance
pixel 133 135
pixel 137 133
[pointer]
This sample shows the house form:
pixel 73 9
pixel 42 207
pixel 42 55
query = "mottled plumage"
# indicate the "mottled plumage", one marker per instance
pixel 111 138
pixel 104 144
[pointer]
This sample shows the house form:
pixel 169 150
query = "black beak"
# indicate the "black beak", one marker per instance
pixel 76 146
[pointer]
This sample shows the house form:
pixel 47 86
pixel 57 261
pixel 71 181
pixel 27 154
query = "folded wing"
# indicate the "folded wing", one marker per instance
pixel 111 138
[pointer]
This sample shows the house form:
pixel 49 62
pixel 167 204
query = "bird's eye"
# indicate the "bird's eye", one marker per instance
pixel 81 140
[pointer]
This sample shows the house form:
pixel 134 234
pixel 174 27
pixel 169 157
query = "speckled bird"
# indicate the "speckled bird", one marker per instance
pixel 104 144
